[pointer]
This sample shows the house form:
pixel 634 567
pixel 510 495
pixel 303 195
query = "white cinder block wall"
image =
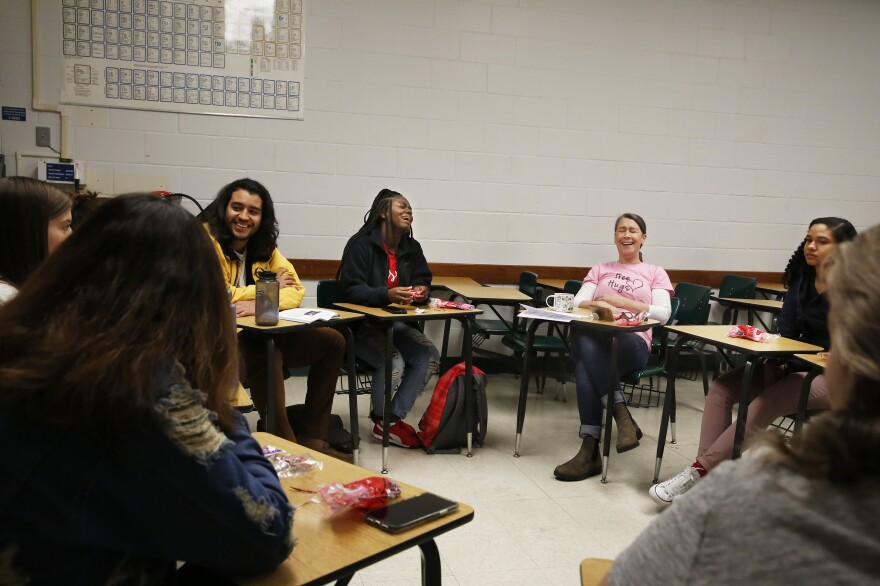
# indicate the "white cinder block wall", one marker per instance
pixel 519 129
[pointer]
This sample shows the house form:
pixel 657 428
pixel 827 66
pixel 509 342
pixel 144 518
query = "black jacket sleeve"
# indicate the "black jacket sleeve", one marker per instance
pixel 359 281
pixel 420 273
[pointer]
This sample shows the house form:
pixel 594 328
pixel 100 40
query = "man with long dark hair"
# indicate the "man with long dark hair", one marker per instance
pixel 241 221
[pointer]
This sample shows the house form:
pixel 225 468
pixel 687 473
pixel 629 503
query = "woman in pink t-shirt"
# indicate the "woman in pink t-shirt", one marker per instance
pixel 626 285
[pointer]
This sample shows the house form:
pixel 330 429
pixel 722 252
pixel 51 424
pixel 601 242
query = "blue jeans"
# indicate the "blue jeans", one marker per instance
pixel 414 362
pixel 592 356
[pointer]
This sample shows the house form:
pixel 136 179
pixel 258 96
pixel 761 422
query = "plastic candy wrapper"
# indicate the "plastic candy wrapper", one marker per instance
pixel 751 333
pixel 270 451
pixel 443 304
pixel 627 318
pixel 367 493
pixel 294 465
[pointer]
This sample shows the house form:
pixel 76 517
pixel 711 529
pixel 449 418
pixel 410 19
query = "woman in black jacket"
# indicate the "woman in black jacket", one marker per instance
pixel 777 387
pixel 381 264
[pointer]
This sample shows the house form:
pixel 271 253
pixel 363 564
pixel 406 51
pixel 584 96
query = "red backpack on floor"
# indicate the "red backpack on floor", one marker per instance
pixel 443 427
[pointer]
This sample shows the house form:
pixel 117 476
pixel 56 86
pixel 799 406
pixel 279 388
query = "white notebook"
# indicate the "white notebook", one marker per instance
pixel 307 315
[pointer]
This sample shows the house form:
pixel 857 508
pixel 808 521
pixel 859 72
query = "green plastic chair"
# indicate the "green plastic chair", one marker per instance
pixel 737 287
pixel 547 344
pixel 656 367
pixel 694 311
pixel 483 329
pixel 572 286
pixel 329 293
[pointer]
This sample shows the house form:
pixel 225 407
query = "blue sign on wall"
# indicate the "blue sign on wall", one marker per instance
pixel 13 113
pixel 60 172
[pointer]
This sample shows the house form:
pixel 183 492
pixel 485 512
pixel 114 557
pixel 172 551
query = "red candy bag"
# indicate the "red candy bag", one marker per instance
pixel 750 333
pixel 443 304
pixel 367 493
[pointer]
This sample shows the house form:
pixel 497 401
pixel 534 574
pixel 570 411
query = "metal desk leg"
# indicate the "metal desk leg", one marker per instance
pixel 352 393
pixel 805 397
pixel 609 408
pixel 386 411
pixel 430 563
pixel 524 384
pixel 469 403
pixel 270 385
pixel 668 404
pixel 445 346
pixel 742 413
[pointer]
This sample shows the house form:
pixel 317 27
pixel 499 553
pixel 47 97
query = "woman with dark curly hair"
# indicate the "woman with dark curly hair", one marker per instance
pixel 776 387
pixel 804 514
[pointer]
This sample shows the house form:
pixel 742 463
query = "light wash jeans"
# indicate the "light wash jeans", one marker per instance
pixel 414 362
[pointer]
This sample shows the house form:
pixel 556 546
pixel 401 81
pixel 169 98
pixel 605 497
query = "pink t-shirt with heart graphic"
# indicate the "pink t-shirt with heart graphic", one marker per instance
pixel 631 281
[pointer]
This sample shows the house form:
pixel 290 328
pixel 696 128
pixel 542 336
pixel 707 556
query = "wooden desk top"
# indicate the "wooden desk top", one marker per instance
pixel 594 570
pixel 240 398
pixel 410 315
pixel 771 287
pixel 814 359
pixel 770 305
pixel 330 546
pixel 480 294
pixel 249 323
pixel 603 324
pixel 717 336
pixel 452 282
pixel 556 284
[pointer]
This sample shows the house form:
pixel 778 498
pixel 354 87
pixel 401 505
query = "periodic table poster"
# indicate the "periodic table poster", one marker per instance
pixel 239 57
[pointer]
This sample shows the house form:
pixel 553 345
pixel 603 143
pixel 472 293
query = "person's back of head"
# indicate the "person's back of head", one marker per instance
pixel 26 207
pixel 132 292
pixel 263 243
pixel 85 203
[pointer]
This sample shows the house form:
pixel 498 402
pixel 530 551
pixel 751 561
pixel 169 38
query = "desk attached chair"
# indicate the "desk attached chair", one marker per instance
pixel 547 344
pixel 694 311
pixel 483 329
pixel 329 293
pixel 656 367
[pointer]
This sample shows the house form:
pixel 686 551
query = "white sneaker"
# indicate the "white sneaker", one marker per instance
pixel 664 492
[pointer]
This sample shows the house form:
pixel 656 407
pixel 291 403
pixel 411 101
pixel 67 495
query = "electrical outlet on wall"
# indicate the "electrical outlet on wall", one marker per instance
pixel 44 136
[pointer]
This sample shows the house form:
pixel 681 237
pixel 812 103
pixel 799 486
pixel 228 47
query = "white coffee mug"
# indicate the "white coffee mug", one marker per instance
pixel 561 302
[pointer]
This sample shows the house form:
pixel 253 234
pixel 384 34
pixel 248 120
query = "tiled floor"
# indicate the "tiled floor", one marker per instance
pixel 528 528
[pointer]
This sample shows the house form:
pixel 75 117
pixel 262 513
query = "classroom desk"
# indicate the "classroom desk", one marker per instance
pixel 334 547
pixel 240 400
pixel 775 290
pixel 609 328
pixel 386 320
pixel 817 362
pixel 249 325
pixel 557 285
pixel 770 306
pixel 717 336
pixel 452 282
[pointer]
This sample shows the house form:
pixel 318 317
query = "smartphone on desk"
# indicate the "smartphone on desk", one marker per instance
pixel 411 512
pixel 392 309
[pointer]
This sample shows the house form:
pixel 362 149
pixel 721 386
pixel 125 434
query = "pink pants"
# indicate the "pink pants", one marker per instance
pixel 781 398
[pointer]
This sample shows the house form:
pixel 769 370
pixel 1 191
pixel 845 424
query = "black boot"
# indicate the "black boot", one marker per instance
pixel 586 462
pixel 628 432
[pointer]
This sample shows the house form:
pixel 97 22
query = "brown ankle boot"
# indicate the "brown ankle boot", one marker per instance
pixel 628 432
pixel 586 462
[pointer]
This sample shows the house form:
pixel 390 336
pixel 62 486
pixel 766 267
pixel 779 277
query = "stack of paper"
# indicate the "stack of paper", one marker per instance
pixel 307 315
pixel 549 314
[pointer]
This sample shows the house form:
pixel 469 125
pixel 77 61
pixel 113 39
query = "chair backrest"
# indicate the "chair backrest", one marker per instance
pixel 694 300
pixel 572 286
pixel 329 292
pixel 676 305
pixel 528 284
pixel 738 287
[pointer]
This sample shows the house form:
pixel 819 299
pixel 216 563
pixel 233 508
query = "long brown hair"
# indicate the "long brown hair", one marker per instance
pixel 137 289
pixel 26 206
pixel 843 445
